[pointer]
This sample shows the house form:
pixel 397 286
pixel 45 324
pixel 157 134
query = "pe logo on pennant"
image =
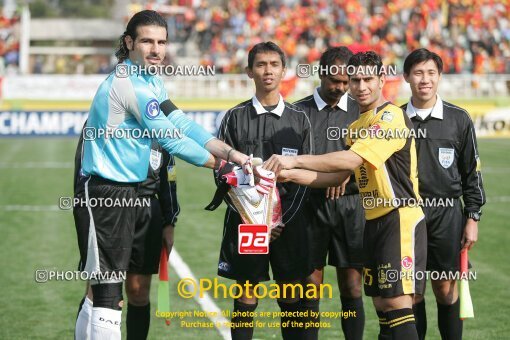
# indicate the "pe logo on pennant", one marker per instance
pixel 253 239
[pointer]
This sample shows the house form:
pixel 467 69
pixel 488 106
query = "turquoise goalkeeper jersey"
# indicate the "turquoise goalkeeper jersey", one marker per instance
pixel 123 118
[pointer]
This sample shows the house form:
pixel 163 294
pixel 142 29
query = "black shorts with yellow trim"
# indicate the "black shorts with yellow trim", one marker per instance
pixel 395 247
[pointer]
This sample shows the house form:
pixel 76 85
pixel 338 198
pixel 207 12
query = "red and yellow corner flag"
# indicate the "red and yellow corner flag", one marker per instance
pixel 163 287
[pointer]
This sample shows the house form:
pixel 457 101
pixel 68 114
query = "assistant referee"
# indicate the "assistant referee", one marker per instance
pixel 449 168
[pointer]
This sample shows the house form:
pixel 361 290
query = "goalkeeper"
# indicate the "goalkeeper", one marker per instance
pixel 131 99
pixel 153 223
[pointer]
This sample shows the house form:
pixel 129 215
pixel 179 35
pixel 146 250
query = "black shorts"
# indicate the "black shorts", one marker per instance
pixel 336 229
pixel 445 226
pixel 288 255
pixel 396 248
pixel 105 233
pixel 148 238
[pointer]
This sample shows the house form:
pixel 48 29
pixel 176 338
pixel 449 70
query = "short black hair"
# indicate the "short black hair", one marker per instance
pixel 332 54
pixel 265 47
pixel 419 56
pixel 142 18
pixel 369 58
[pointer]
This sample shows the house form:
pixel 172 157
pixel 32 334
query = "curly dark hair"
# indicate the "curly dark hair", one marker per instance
pixel 369 58
pixel 142 18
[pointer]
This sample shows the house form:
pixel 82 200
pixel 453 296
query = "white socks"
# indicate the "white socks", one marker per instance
pixel 96 323
pixel 105 324
pixel 82 329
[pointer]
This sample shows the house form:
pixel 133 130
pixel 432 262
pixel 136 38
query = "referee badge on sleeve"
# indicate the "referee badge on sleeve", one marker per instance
pixel 446 156
pixel 289 152
pixel 155 159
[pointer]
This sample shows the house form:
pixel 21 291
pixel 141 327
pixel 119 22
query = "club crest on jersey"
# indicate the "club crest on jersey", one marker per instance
pixel 155 159
pixel 289 152
pixel 387 116
pixel 446 157
pixel 152 109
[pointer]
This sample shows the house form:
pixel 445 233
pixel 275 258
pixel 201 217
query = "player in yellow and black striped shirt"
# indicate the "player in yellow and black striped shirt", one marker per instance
pixel 383 156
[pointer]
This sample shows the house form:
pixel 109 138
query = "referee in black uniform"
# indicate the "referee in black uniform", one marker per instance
pixel 337 216
pixel 262 126
pixel 154 224
pixel 448 168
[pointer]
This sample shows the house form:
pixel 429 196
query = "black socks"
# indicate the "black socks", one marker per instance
pixel 402 324
pixel 353 320
pixel 310 330
pixel 288 323
pixel 138 320
pixel 450 325
pixel 243 321
pixel 384 328
pixel 421 319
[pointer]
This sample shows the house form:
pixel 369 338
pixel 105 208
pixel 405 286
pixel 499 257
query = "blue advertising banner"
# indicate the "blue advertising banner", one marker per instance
pixel 70 123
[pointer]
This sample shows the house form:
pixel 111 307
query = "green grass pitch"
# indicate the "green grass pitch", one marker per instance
pixel 35 172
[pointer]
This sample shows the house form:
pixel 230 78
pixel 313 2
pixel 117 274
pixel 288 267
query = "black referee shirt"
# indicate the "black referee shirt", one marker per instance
pixel 263 131
pixel 448 159
pixel 329 125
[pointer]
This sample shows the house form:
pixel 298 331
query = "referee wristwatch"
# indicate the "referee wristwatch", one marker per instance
pixel 474 215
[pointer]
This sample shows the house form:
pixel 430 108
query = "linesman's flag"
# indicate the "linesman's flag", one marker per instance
pixel 163 287
pixel 466 305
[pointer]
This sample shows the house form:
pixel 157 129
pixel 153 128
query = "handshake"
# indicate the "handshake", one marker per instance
pixel 249 176
pixel 252 190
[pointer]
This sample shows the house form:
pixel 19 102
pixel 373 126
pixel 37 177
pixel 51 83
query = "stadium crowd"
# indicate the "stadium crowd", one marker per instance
pixel 9 43
pixel 469 35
